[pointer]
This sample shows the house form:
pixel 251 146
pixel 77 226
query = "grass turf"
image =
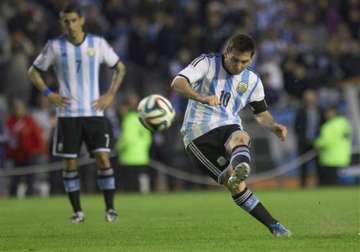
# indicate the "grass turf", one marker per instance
pixel 321 220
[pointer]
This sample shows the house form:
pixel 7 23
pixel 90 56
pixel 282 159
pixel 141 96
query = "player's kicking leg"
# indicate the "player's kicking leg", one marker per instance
pixel 106 183
pixel 72 187
pixel 233 178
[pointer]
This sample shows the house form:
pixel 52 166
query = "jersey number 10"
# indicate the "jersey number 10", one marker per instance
pixel 224 98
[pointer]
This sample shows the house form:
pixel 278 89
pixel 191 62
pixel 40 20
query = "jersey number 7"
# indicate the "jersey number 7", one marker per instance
pixel 78 65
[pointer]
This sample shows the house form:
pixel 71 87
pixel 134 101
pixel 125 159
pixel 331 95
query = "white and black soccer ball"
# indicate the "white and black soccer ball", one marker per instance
pixel 156 112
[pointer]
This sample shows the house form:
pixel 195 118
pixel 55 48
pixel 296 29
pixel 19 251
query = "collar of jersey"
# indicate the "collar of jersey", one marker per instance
pixel 77 44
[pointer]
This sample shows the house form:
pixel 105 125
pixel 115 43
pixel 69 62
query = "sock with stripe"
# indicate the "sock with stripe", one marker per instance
pixel 72 187
pixel 251 204
pixel 240 154
pixel 106 183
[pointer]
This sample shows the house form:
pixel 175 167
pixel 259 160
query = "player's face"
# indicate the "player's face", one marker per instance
pixel 236 61
pixel 72 23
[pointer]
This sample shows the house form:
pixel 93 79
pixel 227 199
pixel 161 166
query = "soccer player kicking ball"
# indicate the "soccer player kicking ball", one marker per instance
pixel 218 87
pixel 76 58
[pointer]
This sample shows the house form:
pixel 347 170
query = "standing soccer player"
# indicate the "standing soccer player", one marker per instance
pixel 218 87
pixel 76 58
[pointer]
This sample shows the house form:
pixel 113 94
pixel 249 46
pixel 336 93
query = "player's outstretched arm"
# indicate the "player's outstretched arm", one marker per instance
pixel 182 86
pixel 105 100
pixel 266 120
pixel 36 78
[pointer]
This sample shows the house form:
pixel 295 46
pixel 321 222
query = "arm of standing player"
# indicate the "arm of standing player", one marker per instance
pixel 36 78
pixel 105 100
pixel 265 119
pixel 182 86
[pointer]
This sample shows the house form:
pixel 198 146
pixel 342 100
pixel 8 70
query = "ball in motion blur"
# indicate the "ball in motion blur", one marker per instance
pixel 156 112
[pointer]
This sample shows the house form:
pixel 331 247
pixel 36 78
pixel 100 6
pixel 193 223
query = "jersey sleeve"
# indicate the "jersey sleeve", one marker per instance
pixel 108 55
pixel 258 92
pixel 196 70
pixel 45 59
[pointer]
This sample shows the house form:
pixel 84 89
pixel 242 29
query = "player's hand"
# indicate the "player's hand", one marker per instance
pixel 280 131
pixel 103 102
pixel 58 100
pixel 210 100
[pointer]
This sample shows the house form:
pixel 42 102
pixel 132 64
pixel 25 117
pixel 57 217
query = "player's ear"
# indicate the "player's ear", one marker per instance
pixel 62 24
pixel 82 20
pixel 61 19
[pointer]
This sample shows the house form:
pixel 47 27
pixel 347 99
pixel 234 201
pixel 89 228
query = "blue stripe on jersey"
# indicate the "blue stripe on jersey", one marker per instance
pixel 65 67
pixel 79 80
pixel 193 108
pixel 92 71
pixel 245 76
pixel 252 91
pixel 244 79
pixel 216 76
pixel 212 91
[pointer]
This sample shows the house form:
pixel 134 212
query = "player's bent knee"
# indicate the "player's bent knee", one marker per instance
pixel 240 139
pixel 236 139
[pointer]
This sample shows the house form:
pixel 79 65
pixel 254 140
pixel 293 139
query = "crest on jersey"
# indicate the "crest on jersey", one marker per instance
pixel 242 87
pixel 90 51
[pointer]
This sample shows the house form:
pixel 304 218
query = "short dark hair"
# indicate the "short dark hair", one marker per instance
pixel 241 43
pixel 72 8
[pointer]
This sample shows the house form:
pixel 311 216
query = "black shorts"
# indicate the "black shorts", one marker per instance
pixel 208 153
pixel 71 132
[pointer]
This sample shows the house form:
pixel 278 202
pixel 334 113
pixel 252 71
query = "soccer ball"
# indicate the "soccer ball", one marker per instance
pixel 156 112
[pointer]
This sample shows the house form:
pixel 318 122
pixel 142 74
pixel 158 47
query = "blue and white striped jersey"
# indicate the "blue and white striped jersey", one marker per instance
pixel 207 76
pixel 77 71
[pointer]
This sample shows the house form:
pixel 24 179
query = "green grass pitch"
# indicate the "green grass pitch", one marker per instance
pixel 321 220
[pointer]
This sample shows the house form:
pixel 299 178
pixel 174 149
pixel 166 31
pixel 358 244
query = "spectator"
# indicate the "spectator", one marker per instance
pixel 333 146
pixel 16 68
pixel 307 125
pixel 25 143
pixel 42 116
pixel 133 148
pixel 3 141
pixel 216 30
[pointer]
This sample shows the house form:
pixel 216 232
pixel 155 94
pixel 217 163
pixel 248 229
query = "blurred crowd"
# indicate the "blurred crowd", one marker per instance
pixel 301 45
